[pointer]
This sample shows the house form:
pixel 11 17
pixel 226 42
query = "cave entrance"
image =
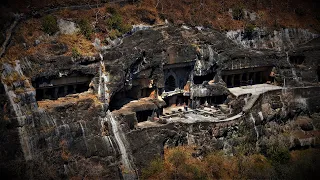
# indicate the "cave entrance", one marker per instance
pixel 237 80
pixel 170 84
pixel 177 100
pixel 171 100
pixel 258 78
pixel 55 88
pixel 213 100
pixel 144 115
pixel 123 97
pixel 182 100
pixel 146 92
pixel 53 93
pixel 244 77
pixel 201 79
pixel 297 60
pixel 229 81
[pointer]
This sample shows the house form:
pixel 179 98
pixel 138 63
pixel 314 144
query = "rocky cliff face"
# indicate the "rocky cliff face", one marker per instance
pixel 277 118
pixel 75 136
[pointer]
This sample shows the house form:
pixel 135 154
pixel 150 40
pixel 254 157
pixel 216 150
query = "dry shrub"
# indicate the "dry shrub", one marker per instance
pixel 13 53
pixel 178 163
pixel 84 46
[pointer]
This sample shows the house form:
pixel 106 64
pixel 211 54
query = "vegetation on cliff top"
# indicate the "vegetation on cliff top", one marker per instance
pixel 112 20
pixel 180 163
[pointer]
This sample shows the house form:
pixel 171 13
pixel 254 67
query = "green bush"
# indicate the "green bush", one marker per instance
pixel 85 28
pixel 156 167
pixel 114 33
pixel 279 155
pixel 116 22
pixel 49 24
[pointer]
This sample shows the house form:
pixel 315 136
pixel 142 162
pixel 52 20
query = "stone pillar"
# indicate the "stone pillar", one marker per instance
pixel 261 78
pixel 55 92
pixel 65 90
pixel 45 94
pixel 74 89
pixel 232 80
pixel 254 78
pixel 240 79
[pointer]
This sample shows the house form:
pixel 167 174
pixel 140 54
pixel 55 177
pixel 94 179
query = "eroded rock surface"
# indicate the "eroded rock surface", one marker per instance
pixel 71 134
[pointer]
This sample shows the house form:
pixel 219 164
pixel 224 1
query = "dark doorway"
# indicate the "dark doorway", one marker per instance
pixel 237 80
pixel 297 60
pixel 143 115
pixel 170 84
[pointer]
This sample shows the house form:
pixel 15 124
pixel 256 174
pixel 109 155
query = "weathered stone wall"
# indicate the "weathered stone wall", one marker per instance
pixel 64 140
pixel 148 143
pixel 276 118
pixel 12 162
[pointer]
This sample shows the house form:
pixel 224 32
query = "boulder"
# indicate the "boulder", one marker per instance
pixel 67 27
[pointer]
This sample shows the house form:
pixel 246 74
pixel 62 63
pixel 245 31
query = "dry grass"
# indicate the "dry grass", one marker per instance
pixel 83 45
pixel 273 14
pixel 13 53
pixel 179 163
pixel 27 32
pixel 30 30
pixel 50 104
